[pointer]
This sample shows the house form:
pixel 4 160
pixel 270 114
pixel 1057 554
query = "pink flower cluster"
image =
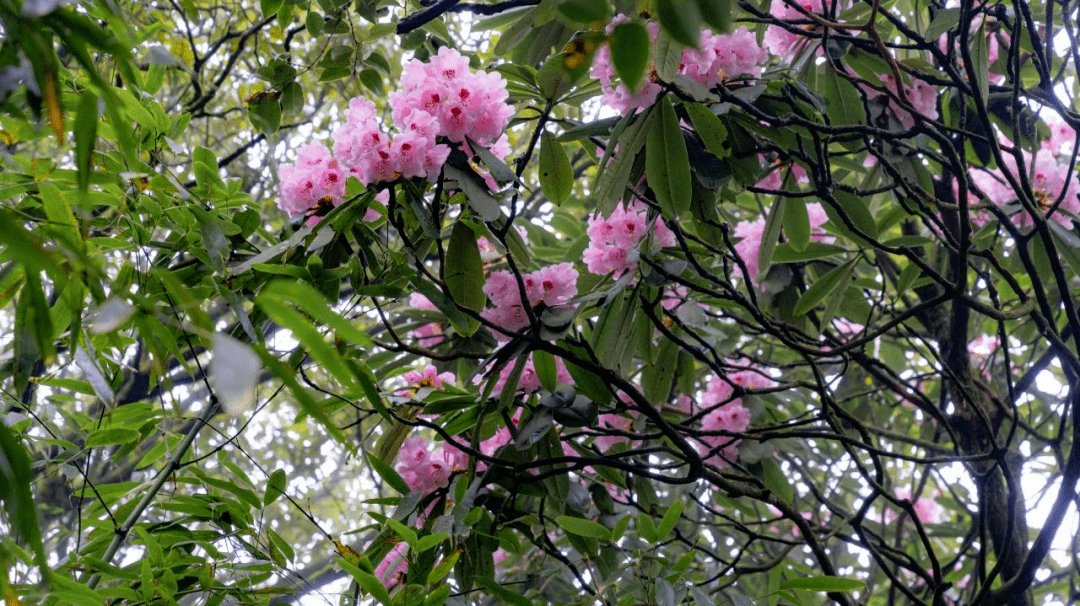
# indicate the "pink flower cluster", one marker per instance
pixel 426 470
pixel 529 381
pixel 920 95
pixel 718 58
pixel 428 335
pixel 613 241
pixel 391 570
pixel 774 180
pixel 373 156
pixel 552 286
pixel 441 98
pixel 726 414
pixel 751 233
pixel 427 379
pixel 1049 180
pixel 465 104
pixel 315 176
pixel 779 40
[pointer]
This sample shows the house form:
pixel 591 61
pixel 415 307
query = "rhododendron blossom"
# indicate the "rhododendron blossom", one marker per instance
pixel 442 98
pixel 465 104
pixel 529 382
pixel 779 40
pixel 552 286
pixel 613 241
pixel 1049 181
pixel 752 232
pixel 425 470
pixel 726 414
pixel 719 57
pixel 427 378
pixel 430 334
pixel 315 178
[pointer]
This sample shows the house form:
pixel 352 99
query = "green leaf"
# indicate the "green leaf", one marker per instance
pixel 630 52
pixel 270 7
pixel 823 583
pixel 797 225
pixel 611 179
pixel 680 19
pixel 112 436
pixel 502 593
pixel 429 541
pixel 556 173
pixel 443 568
pixel 15 492
pixel 583 528
pixel 275 486
pixel 980 49
pixel 716 13
pixel 786 253
pixel 303 296
pixel 771 234
pixel 823 287
pixel 367 581
pixel 945 20
pixel 86 123
pixel 584 11
pixel 292 98
pixel 777 482
pixel 842 101
pixel 265 114
pixel 546 369
pixel 710 128
pixel 670 519
pixel 667 164
pixel 388 474
pixel 464 269
pixel 669 55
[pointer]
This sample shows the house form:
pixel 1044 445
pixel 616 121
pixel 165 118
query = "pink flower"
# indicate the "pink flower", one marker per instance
pixel 726 414
pixel 1048 179
pixel 613 242
pixel 779 40
pixel 749 246
pixel 391 570
pixel 552 286
pixel 718 57
pixel 428 378
pixel 424 470
pixel 315 178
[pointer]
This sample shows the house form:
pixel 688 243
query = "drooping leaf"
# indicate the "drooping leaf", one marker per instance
pixel 667 164
pixel 464 272
pixel 556 173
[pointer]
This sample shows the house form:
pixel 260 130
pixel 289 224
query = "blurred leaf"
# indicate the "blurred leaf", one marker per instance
pixel 86 123
pixel 275 486
pixel 583 528
pixel 15 477
pixel 823 583
pixel 630 52
pixel 680 18
pixel 234 374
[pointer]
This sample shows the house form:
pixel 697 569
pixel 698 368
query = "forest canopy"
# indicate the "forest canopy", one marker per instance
pixel 539 302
